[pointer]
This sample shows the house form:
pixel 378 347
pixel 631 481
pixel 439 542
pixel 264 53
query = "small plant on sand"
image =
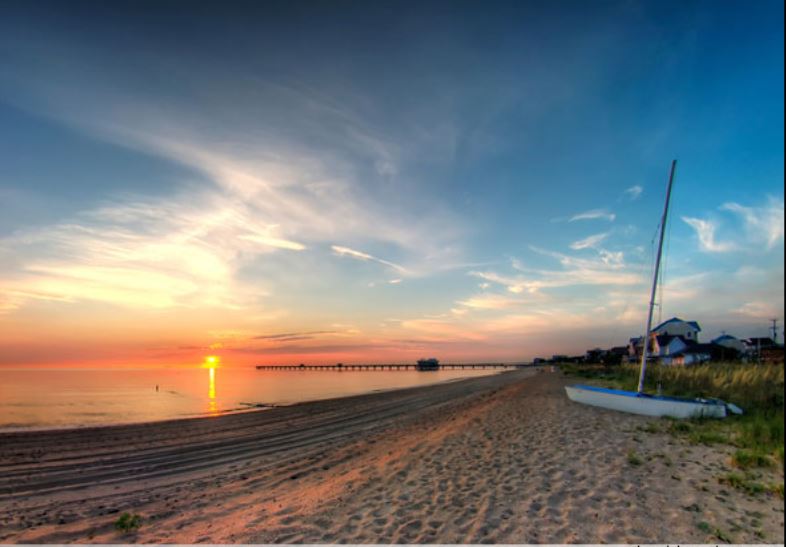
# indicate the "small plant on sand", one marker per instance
pixel 650 427
pixel 128 522
pixel 633 458
pixel 746 482
pixel 745 459
pixel 717 532
pixel 679 427
pixel 708 438
pixel 721 535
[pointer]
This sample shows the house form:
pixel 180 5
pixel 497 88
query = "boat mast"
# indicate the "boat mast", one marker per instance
pixel 645 350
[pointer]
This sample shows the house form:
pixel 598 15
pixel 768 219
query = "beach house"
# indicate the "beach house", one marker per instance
pixel 731 342
pixel 691 354
pixel 673 342
pixel 730 347
pixel 666 345
pixel 687 330
pixel 764 350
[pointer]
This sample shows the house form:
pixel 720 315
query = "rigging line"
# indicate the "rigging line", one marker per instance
pixel 664 269
pixel 657 372
pixel 662 283
pixel 640 267
pixel 652 249
pixel 662 275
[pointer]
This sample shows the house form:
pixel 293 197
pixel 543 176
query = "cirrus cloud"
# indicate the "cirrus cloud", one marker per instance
pixel 594 214
pixel 338 250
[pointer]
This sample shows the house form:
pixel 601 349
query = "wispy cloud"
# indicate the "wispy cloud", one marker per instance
pixel 538 321
pixel 512 284
pixel 360 255
pixel 442 330
pixel 265 183
pixel 589 242
pixel 145 254
pixel 266 239
pixel 758 309
pixel 490 302
pixel 762 224
pixel 608 268
pixel 634 192
pixel 705 230
pixel 594 214
pixel 292 335
pixel 761 228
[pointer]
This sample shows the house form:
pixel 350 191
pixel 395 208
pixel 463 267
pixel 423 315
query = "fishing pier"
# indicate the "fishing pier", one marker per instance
pixel 395 366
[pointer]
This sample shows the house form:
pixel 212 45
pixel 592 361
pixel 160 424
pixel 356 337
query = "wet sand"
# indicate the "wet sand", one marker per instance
pixel 504 459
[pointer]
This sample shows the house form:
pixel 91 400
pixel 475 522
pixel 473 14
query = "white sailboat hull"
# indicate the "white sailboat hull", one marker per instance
pixel 646 405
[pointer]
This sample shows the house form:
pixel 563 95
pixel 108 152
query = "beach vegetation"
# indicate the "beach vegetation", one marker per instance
pixel 745 459
pixel 708 438
pixel 721 535
pixel 128 522
pixel 751 483
pixel 678 427
pixel 634 458
pixel 664 458
pixel 757 389
pixel 650 427
pixel 707 528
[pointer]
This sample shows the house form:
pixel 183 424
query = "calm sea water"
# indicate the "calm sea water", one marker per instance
pixel 40 399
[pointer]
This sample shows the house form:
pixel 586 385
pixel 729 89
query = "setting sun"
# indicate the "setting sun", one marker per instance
pixel 211 361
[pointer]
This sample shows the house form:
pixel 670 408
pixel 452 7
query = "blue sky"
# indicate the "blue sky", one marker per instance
pixel 384 180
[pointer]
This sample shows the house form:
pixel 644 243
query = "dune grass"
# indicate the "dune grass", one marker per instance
pixel 752 387
pixel 758 389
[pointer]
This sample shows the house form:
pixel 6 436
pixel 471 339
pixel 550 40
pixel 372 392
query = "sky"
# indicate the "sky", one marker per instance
pixel 285 182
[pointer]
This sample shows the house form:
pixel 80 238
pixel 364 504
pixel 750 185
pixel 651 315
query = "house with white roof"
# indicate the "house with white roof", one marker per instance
pixel 671 343
pixel 689 330
pixel 666 345
pixel 731 342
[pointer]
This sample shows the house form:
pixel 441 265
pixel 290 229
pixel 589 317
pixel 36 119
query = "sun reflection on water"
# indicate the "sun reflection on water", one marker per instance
pixel 211 364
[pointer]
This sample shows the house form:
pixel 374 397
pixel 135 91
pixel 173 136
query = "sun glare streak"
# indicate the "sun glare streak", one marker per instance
pixel 212 405
pixel 211 363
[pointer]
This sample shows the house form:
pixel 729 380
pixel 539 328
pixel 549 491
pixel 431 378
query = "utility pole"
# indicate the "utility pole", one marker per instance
pixel 774 330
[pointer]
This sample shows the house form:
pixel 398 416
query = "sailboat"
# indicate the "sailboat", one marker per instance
pixel 638 402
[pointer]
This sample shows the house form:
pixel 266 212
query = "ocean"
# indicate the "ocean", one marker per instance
pixel 60 398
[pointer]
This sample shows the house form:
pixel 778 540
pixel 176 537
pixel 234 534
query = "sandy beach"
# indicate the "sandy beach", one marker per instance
pixel 503 459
